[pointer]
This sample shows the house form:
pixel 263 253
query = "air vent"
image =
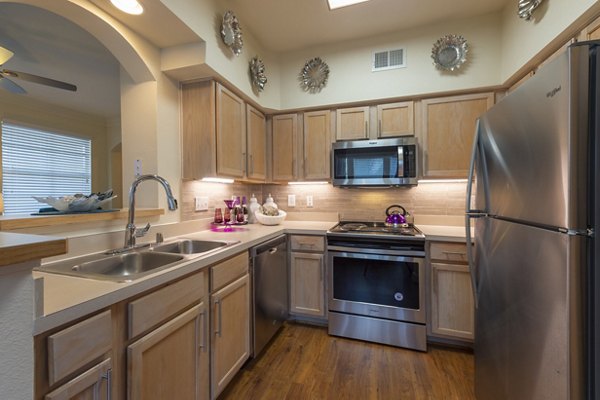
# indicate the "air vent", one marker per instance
pixel 389 59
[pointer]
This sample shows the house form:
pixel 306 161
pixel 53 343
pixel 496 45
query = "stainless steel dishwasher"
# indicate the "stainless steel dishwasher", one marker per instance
pixel 270 290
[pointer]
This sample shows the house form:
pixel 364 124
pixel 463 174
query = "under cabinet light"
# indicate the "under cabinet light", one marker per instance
pixel 128 6
pixel 217 180
pixel 308 183
pixel 442 181
pixel 333 4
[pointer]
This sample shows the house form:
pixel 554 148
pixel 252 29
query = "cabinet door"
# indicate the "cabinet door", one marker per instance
pixel 395 119
pixel 448 131
pixel 231 134
pixel 166 363
pixel 284 147
pixel 93 384
pixel 452 307
pixel 352 123
pixel 307 284
pixel 257 145
pixel 230 346
pixel 317 145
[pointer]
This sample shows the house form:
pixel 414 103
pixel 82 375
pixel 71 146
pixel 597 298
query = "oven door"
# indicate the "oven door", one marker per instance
pixel 384 286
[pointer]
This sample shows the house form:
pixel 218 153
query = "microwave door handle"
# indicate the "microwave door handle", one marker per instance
pixel 400 161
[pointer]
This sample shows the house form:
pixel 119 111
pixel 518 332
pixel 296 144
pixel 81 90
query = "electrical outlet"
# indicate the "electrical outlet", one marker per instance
pixel 137 170
pixel 309 201
pixel 291 200
pixel 201 204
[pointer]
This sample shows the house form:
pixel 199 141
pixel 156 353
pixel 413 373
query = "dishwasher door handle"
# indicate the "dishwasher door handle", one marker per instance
pixel 273 250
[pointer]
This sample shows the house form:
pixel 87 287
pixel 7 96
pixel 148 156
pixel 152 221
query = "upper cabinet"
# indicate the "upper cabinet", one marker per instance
pixel 448 129
pixel 231 134
pixel 256 128
pixel 222 136
pixel 301 146
pixel 284 141
pixel 395 119
pixel 317 145
pixel 352 123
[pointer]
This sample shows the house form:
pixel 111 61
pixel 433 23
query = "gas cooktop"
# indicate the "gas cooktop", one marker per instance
pixel 376 229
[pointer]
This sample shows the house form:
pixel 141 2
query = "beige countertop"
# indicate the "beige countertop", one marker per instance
pixel 66 298
pixel 17 247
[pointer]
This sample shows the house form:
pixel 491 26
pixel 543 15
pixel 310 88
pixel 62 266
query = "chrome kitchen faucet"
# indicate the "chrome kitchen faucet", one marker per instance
pixel 131 232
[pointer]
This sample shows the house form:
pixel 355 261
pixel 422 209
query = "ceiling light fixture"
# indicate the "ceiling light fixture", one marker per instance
pixel 333 4
pixel 128 6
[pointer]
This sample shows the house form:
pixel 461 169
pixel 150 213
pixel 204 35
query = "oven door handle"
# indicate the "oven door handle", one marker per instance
pixel 373 253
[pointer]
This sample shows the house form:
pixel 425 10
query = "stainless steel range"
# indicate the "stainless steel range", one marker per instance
pixel 376 283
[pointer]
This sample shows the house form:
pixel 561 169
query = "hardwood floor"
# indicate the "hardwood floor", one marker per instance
pixel 304 362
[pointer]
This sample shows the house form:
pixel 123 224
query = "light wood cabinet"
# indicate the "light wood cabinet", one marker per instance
pixel 307 276
pixel 257 144
pixel 317 146
pixel 231 134
pixel 448 125
pixel 91 384
pixel 395 119
pixel 230 323
pixel 352 123
pixel 166 362
pixel 452 312
pixel 284 139
pixel 222 135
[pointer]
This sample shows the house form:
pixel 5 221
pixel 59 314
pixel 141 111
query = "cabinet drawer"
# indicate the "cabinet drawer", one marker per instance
pixel 229 270
pixel 307 243
pixel 158 306
pixel 76 346
pixel 448 251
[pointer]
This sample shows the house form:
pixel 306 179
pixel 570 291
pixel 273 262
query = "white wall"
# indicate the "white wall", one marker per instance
pixel 351 78
pixel 521 39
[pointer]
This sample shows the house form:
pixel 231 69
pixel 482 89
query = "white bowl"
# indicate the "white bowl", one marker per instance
pixel 270 219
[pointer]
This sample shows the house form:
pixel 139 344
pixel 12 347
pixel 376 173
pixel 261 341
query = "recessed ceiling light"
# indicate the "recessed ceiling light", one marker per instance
pixel 333 4
pixel 128 6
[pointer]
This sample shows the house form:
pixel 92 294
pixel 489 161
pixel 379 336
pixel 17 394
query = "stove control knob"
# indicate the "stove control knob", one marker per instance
pixel 398 296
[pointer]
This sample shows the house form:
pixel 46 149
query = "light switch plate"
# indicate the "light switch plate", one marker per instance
pixel 201 204
pixel 137 169
pixel 291 200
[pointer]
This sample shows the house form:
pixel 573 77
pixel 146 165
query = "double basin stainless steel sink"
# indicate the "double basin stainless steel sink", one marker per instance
pixel 133 264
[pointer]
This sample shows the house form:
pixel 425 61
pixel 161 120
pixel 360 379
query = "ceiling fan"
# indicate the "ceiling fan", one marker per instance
pixel 12 87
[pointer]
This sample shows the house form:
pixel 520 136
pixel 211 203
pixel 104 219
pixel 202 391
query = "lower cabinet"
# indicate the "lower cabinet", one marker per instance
pixel 230 320
pixel 451 295
pixel 166 362
pixel 307 276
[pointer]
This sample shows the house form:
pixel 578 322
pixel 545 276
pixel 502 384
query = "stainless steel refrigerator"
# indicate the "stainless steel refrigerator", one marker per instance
pixel 534 270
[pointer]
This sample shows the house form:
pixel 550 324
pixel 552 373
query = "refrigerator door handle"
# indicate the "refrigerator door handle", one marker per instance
pixel 471 213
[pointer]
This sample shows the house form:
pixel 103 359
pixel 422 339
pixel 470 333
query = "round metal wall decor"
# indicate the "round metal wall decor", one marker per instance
pixel 231 33
pixel 449 52
pixel 526 8
pixel 313 76
pixel 257 72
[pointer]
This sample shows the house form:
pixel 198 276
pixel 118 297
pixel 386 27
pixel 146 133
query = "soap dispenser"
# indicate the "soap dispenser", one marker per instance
pixel 253 207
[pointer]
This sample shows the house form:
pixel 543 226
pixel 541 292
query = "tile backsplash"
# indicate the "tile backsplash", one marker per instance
pixel 351 204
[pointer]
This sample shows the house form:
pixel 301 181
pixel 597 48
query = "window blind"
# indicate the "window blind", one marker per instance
pixel 42 163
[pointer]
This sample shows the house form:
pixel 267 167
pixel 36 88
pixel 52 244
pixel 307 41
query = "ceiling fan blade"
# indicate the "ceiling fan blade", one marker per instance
pixel 39 79
pixel 9 85
pixel 5 55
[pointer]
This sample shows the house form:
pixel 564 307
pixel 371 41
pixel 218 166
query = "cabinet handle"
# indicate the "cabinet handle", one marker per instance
pixel 294 166
pixel 218 304
pixel 379 132
pixel 366 129
pixel 251 165
pixel 460 253
pixel 105 376
pixel 202 330
pixel 243 163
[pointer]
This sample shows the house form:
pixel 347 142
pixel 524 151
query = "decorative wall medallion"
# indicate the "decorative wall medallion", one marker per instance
pixel 449 52
pixel 231 33
pixel 313 76
pixel 257 72
pixel 526 8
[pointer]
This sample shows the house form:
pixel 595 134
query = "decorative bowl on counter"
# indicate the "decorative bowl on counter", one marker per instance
pixel 78 202
pixel 270 219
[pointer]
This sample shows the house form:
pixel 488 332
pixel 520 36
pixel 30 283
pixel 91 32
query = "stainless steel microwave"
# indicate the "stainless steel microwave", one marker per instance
pixel 385 162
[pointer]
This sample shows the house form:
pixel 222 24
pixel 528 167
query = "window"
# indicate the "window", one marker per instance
pixel 42 163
